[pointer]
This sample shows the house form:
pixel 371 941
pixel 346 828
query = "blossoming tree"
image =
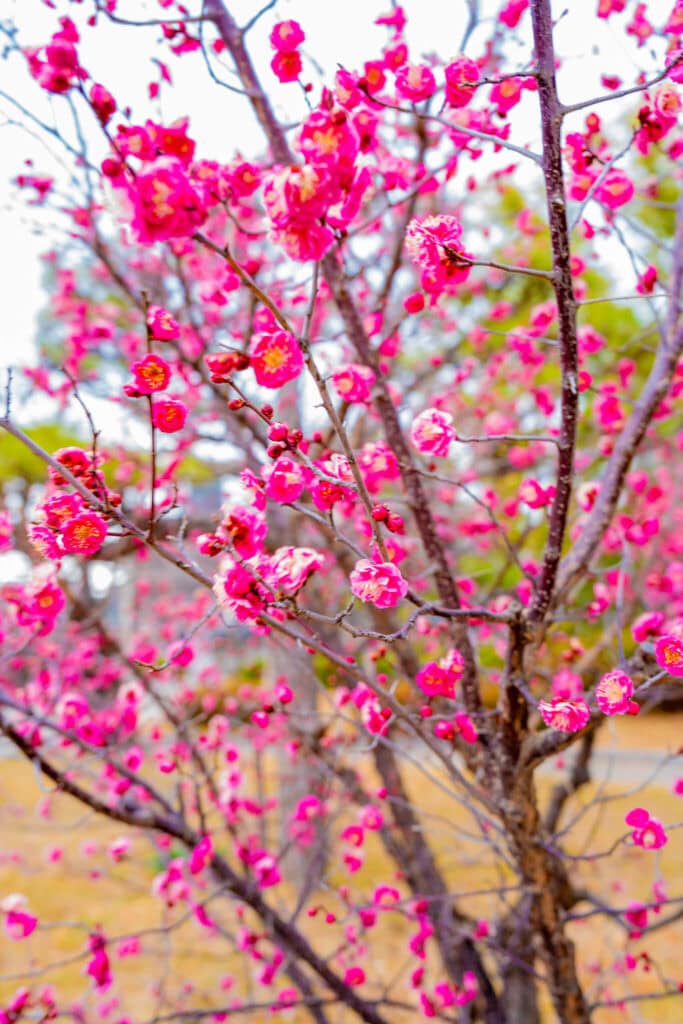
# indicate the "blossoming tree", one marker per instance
pixel 429 343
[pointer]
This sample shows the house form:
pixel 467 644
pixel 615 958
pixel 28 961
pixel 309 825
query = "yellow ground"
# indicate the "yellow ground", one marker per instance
pixel 87 890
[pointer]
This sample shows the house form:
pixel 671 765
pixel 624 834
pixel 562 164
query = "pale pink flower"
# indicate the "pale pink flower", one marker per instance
pixel 564 715
pixel 379 583
pixel 290 567
pixel 431 432
pixel 354 382
pixel 613 693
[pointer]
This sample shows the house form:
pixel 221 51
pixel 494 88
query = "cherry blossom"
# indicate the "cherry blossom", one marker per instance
pixel 380 583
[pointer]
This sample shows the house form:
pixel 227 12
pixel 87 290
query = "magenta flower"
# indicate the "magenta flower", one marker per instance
pixel 289 567
pixel 84 534
pixel 150 374
pixel 669 654
pixel 285 480
pixel 165 202
pixel 462 76
pixel 613 693
pixel 162 326
pixel 379 583
pixel 353 383
pixel 648 832
pixel 169 415
pixel 415 82
pixel 564 715
pixel 19 923
pixel 432 433
pixel 276 358
pixel 286 35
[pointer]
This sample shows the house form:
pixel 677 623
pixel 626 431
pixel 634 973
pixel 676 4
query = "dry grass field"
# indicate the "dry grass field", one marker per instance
pixel 83 888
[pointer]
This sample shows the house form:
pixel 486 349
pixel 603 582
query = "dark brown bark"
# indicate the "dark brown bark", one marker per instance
pixel 551 124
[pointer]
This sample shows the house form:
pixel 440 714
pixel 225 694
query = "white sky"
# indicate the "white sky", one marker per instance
pixel 120 58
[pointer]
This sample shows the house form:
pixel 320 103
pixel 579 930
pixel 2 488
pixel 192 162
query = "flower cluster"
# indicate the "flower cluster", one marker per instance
pixel 166 204
pixel 286 38
pixel 648 832
pixel 306 203
pixel 433 243
pixel 249 586
pixel 58 70
pixel 439 678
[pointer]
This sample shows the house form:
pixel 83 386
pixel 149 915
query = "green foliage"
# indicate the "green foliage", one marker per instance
pixel 18 462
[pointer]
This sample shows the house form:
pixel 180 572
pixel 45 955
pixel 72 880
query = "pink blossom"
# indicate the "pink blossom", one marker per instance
pixel 290 567
pixel 646 625
pixel 565 715
pixel 615 189
pixel 84 534
pixel 613 693
pixel 511 14
pixel 354 976
pixel 415 82
pixel 119 848
pixel 276 358
pixel 5 532
pixel 304 240
pixel 103 103
pixel 462 76
pixel 531 493
pixel 328 140
pixel 19 923
pixel 150 374
pixel 284 480
pixel 465 727
pixel 59 70
pixel 378 464
pixel 201 855
pixel 431 432
pixel 607 7
pixel 286 35
pixel 245 530
pixel 98 966
pixel 162 325
pixel 506 94
pixel 169 415
pixel 648 832
pixel 380 583
pixel 354 382
pixel 235 588
pixel 567 684
pixel 430 240
pixel 287 65
pixel 165 202
pixel 675 65
pixel 636 915
pixel 435 680
pixel 669 654
pixel 666 102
